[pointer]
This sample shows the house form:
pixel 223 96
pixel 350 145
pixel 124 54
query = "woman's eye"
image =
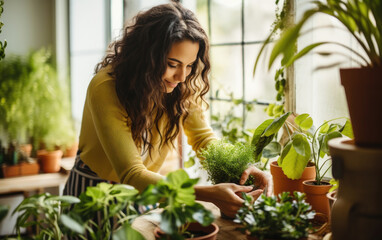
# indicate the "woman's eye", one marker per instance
pixel 171 66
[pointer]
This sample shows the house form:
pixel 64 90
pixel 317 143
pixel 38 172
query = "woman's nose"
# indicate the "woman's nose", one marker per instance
pixel 181 74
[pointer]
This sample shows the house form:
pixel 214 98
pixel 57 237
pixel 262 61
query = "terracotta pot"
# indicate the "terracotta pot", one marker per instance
pixel 20 169
pixel 50 160
pixel 363 94
pixel 211 231
pixel 71 151
pixel 357 212
pixel 316 196
pixel 281 183
pixel 331 197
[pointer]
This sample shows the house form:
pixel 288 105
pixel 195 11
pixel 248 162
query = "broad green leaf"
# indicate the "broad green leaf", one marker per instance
pixel 324 128
pixel 259 131
pixel 177 178
pixel 276 124
pixel 347 129
pixel 294 164
pixel 72 224
pixel 272 150
pixel 66 199
pixel 304 121
pixel 284 152
pixel 127 232
pixel 301 145
pixel 327 137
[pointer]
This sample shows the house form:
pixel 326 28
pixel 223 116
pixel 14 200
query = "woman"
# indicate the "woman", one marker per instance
pixel 149 86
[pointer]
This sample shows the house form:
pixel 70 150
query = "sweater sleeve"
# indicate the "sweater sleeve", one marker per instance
pixel 115 136
pixel 196 128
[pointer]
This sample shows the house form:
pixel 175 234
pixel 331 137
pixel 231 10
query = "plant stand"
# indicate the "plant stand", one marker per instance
pixel 357 212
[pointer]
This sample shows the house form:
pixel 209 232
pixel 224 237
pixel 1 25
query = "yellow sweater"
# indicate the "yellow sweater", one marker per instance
pixel 106 143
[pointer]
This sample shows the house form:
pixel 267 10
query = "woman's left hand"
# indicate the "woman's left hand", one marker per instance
pixel 263 180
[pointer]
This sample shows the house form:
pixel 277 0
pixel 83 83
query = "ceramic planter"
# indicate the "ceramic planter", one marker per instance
pixel 50 160
pixel 211 231
pixel 331 197
pixel 357 212
pixel 363 94
pixel 281 183
pixel 316 196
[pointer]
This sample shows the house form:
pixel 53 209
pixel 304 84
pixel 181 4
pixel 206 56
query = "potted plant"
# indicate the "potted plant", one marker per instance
pixel 43 212
pixel 182 217
pixel 2 45
pixel 311 145
pixel 362 19
pixel 284 217
pixel 224 162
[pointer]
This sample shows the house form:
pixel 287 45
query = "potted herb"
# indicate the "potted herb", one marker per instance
pixel 362 20
pixel 282 217
pixel 182 217
pixel 225 162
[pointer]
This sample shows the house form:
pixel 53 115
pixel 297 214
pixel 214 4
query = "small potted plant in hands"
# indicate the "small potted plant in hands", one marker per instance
pixel 282 217
pixel 182 217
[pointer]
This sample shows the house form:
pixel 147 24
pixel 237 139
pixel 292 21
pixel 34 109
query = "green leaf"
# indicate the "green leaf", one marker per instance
pixel 347 129
pixel 178 177
pixel 127 232
pixel 272 150
pixel 190 162
pixel 327 137
pixel 304 121
pixel 293 164
pixel 301 145
pixel 72 224
pixel 276 124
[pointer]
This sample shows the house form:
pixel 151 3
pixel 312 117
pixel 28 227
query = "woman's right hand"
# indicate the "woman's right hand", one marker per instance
pixel 226 196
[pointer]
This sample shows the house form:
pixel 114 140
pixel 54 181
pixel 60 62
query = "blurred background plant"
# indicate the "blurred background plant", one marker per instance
pixel 3 45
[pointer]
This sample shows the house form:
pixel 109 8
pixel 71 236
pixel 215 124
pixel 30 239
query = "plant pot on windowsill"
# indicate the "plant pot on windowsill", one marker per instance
pixel 316 196
pixel 201 233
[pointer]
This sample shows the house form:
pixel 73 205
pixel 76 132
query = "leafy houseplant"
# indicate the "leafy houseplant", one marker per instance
pixel 45 209
pixel 117 204
pixel 2 45
pixel 363 20
pixel 285 217
pixel 34 103
pixel 225 162
pixel 176 195
pixel 309 144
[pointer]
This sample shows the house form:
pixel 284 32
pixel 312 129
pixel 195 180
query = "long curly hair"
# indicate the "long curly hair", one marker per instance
pixel 139 60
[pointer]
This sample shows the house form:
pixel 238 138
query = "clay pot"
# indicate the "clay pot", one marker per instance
pixel 20 169
pixel 281 183
pixel 71 151
pixel 332 197
pixel 210 230
pixel 363 94
pixel 50 160
pixel 316 196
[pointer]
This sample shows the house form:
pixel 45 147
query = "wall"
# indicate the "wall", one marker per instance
pixel 28 25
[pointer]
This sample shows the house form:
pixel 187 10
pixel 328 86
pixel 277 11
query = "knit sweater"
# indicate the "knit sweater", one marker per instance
pixel 106 142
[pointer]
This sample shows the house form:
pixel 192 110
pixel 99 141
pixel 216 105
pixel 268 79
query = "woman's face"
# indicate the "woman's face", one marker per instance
pixel 180 60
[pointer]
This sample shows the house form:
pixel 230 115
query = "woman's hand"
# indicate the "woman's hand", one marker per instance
pixel 263 180
pixel 226 196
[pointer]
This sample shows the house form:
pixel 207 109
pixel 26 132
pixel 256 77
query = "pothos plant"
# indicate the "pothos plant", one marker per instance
pixel 282 217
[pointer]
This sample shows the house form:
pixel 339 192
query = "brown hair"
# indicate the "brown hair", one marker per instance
pixel 139 60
